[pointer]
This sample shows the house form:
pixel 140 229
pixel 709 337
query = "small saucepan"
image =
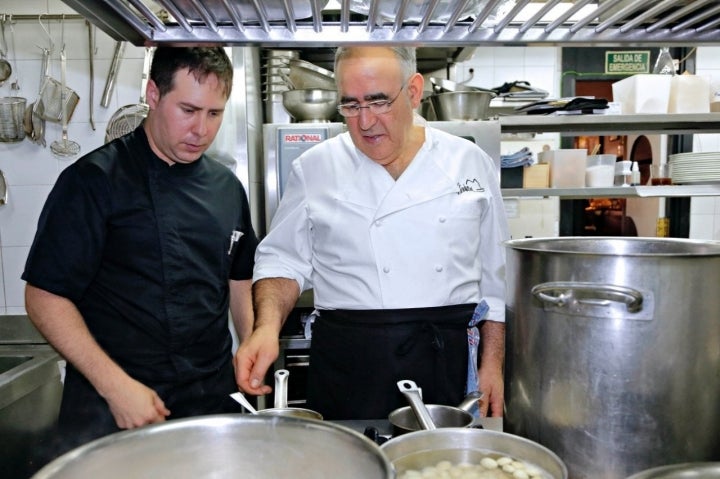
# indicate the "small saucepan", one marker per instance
pixel 406 419
pixel 281 405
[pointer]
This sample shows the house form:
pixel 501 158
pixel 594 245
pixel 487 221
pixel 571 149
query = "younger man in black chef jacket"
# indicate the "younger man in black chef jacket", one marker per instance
pixel 142 247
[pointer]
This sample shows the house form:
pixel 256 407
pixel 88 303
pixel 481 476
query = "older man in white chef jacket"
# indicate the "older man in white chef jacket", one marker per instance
pixel 398 228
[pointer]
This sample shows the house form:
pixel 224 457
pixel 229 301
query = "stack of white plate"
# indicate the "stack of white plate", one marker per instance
pixel 695 168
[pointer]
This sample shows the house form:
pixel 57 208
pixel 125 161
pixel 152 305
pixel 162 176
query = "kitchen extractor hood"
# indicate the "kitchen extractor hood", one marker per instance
pixel 435 23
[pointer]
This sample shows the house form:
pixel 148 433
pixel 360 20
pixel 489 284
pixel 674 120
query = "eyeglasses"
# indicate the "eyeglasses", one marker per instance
pixel 377 107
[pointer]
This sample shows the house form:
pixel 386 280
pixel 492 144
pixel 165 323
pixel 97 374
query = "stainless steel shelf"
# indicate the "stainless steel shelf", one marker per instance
pixel 671 124
pixel 616 192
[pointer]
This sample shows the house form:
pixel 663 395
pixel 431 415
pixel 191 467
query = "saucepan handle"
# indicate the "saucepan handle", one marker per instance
pixel 281 380
pixel 412 393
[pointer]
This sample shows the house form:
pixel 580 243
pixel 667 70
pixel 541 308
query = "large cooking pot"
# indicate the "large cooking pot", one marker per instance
pixel 612 351
pixel 227 446
pixel 420 449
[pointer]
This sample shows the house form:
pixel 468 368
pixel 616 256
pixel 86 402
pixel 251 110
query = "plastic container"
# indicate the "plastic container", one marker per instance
pixel 643 93
pixel 600 170
pixel 689 94
pixel 567 167
pixel 623 173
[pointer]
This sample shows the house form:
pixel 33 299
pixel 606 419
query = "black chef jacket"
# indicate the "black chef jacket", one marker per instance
pixel 145 251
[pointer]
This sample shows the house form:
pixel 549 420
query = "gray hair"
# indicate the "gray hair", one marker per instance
pixel 405 55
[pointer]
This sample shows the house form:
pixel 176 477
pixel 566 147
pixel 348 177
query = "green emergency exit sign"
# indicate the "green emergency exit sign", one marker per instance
pixel 627 63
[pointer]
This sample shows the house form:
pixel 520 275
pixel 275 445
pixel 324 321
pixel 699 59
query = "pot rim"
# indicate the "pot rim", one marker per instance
pixel 291 412
pixel 219 421
pixel 407 410
pixel 617 246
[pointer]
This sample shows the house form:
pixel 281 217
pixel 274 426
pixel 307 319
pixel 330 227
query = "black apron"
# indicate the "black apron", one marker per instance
pixel 357 357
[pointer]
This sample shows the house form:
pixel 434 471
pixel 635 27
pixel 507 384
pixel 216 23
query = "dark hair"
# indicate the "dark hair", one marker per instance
pixel 201 61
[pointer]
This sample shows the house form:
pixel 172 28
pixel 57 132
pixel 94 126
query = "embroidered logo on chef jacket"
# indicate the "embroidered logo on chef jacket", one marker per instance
pixel 470 185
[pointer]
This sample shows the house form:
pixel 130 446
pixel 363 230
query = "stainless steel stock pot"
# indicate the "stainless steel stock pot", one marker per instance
pixel 612 351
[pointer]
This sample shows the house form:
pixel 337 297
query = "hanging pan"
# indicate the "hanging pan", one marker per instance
pixel 129 117
pixel 5 67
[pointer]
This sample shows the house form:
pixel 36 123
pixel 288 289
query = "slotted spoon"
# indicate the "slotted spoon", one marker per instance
pixel 64 148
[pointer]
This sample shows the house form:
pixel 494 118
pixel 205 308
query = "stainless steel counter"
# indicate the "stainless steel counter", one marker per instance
pixel 30 392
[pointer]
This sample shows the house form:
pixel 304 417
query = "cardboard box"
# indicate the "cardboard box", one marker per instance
pixel 536 176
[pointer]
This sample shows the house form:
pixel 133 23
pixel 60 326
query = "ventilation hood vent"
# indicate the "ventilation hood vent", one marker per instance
pixel 440 23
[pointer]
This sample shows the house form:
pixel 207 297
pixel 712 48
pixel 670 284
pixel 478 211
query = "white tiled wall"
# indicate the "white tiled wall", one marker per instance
pixel 705 211
pixel 31 170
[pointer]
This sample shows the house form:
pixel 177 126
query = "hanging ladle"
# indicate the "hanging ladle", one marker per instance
pixel 64 148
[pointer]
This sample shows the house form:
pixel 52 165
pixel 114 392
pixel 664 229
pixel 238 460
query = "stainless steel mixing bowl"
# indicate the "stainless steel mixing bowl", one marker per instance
pixel 311 105
pixel 462 105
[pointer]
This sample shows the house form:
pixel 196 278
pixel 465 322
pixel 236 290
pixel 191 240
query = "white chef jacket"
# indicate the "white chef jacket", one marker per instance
pixel 363 240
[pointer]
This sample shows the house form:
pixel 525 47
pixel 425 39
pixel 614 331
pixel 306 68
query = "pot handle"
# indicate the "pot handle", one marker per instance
pixel 413 395
pixel 281 380
pixel 470 401
pixel 561 293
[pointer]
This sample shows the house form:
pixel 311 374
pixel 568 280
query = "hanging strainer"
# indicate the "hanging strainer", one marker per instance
pixel 54 95
pixel 129 117
pixel 12 111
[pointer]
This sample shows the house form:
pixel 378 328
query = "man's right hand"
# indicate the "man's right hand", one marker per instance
pixel 253 359
pixel 133 405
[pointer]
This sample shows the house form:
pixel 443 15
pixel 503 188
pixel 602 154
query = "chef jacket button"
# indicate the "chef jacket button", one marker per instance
pixel 378 223
pixel 438 268
pixel 441 219
pixel 386 269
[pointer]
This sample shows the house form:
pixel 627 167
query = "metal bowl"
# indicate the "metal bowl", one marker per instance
pixel 313 105
pixel 305 75
pixel 231 445
pixel 404 420
pixel 462 105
